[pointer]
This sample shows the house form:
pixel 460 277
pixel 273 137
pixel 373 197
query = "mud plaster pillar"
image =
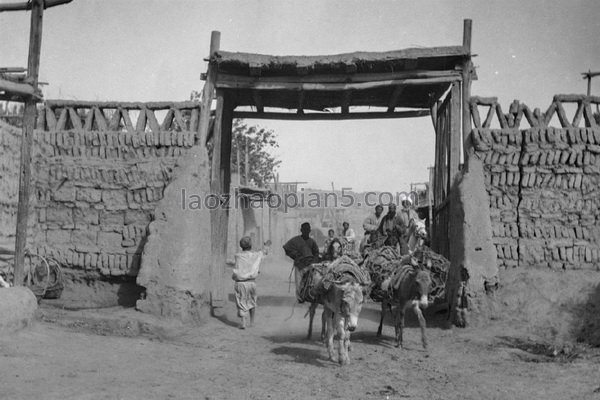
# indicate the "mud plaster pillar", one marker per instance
pixel 472 252
pixel 176 258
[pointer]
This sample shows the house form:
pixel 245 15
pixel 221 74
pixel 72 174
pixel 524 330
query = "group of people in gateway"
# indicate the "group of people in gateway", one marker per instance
pixel 390 229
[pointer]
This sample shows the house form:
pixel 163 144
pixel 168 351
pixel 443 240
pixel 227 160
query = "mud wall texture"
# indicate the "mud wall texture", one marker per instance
pixel 542 182
pixel 98 172
pixel 10 140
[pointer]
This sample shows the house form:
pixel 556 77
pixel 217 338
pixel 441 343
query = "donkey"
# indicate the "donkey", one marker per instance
pixel 342 302
pixel 408 286
pixel 334 251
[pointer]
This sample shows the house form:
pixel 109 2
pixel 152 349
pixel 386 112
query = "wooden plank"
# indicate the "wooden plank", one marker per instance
pixel 589 116
pixel 475 114
pixel 578 114
pixel 127 120
pixel 75 119
pixel 501 117
pixel 562 116
pixel 547 117
pixel 62 120
pixel 179 119
pixel 467 28
pixel 329 87
pixel 168 120
pixel 115 119
pixel 340 78
pixel 100 119
pixel 331 116
pixel 466 93
pixel 490 115
pixel 140 125
pixel 29 114
pixel 152 121
pixel 89 121
pixel 394 97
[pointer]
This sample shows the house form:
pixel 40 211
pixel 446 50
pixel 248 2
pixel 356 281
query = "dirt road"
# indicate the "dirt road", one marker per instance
pixel 65 356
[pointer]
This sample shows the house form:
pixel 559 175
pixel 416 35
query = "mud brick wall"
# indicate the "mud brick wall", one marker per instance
pixel 96 180
pixel 544 192
pixel 10 140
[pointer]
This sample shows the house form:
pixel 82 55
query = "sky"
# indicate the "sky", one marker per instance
pixel 151 50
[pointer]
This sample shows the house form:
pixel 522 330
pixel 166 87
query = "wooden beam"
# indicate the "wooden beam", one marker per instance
pixel 220 182
pixel 394 98
pixel 29 116
pixel 24 6
pixel 466 109
pixel 156 105
pixel 455 134
pixel 331 116
pixel 20 89
pixel 467 29
pixel 328 87
pixel 209 87
pixel 341 78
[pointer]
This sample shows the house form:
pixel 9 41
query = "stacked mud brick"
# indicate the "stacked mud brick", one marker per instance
pixel 10 141
pixel 544 193
pixel 95 188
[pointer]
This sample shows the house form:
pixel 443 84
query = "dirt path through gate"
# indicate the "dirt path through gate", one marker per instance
pixel 104 355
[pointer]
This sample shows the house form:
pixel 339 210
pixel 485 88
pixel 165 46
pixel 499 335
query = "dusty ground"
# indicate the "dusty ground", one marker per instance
pixel 121 354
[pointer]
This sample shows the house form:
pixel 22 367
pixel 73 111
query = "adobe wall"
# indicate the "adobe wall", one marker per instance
pixel 543 187
pixel 99 172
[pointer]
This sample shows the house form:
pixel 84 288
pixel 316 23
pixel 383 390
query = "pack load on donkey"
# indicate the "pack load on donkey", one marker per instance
pixel 382 262
pixel 320 276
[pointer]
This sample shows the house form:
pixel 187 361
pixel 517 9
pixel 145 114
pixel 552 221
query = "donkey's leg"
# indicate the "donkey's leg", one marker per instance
pixel 323 326
pixel 330 331
pixel 399 324
pixel 422 324
pixel 311 316
pixel 339 323
pixel 379 330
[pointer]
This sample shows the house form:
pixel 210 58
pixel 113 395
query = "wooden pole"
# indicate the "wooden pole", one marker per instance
pixel 220 183
pixel 246 162
pixel 466 91
pixel 455 142
pixel 33 67
pixel 209 88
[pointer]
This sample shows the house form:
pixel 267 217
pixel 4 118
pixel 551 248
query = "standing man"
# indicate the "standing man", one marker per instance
pixel 304 251
pixel 349 236
pixel 394 227
pixel 370 225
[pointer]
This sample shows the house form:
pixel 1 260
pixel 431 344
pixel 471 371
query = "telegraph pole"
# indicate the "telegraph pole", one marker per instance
pixel 589 75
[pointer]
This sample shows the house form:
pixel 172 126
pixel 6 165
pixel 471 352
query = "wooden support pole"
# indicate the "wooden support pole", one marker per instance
pixel 220 183
pixel 454 136
pixel 209 88
pixel 33 67
pixel 466 92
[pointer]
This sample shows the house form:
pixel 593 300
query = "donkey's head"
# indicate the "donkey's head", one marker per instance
pixel 352 301
pixel 422 288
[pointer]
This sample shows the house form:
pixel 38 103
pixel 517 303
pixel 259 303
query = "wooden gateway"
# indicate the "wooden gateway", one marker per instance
pixel 415 82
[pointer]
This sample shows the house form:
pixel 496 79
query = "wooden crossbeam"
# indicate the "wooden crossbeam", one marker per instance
pixel 329 87
pixel 340 78
pixel 20 89
pixel 24 6
pixel 157 105
pixel 331 116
